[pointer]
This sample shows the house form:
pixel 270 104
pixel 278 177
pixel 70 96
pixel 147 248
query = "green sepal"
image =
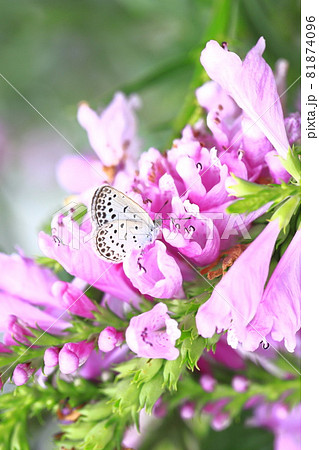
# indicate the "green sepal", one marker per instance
pixel 148 371
pixel 98 436
pixel 285 211
pixel 171 373
pixel 244 187
pixel 292 164
pixel 151 392
pixel 192 350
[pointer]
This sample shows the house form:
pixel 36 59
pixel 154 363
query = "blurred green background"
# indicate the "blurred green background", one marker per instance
pixel 57 53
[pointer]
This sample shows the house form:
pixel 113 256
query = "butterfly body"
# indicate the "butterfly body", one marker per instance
pixel 120 224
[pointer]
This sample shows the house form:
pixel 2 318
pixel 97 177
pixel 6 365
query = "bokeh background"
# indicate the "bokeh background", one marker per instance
pixel 57 53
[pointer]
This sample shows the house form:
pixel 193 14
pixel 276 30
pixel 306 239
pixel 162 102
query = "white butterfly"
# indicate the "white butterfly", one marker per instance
pixel 120 224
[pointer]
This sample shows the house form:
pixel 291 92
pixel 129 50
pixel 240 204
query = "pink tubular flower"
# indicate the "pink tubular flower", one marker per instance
pixel 21 374
pixel 76 255
pixel 73 299
pixel 29 274
pixel 197 237
pixel 74 355
pixel 153 334
pixel 282 296
pixel 154 272
pixel 19 297
pixel 225 303
pixel 252 85
pixel 283 423
pixel 113 134
pixel 256 312
pixel 76 174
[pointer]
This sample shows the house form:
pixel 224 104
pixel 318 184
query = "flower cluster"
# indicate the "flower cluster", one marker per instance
pixel 242 149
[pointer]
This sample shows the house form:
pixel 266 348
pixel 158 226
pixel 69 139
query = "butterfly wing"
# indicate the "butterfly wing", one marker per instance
pixel 105 245
pixel 115 239
pixel 120 224
pixel 109 204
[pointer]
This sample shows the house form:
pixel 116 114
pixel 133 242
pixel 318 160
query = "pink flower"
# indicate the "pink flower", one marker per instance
pixel 223 113
pixel 293 127
pixel 282 297
pixel 76 174
pixel 51 357
pixel 251 315
pixel 76 255
pixel 74 355
pixel 20 298
pixel 249 272
pixel 154 272
pixel 21 374
pixel 153 334
pixel 283 423
pixel 112 135
pixel 220 421
pixel 201 172
pixel 252 85
pixel 16 331
pixel 109 338
pixel 207 382
pixel 22 274
pixel 240 383
pixel 73 299
pixel 193 234
pixel 187 410
pixel 220 418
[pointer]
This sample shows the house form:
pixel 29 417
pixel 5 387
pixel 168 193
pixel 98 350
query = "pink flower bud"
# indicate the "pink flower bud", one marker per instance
pixel 21 374
pixel 240 384
pixel 160 409
pixel 109 338
pixel 187 411
pixel 68 361
pixel 4 349
pixel 74 355
pixel 16 331
pixel 51 357
pixel 207 382
pixel 220 421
